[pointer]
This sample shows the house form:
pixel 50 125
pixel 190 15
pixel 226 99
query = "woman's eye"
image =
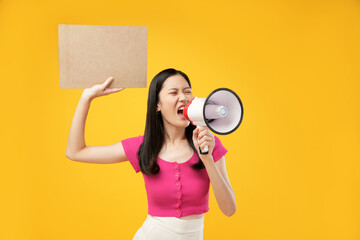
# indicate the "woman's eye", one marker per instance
pixel 176 92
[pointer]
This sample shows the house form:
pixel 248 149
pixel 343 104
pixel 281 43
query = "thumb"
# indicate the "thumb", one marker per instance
pixel 107 82
pixel 195 136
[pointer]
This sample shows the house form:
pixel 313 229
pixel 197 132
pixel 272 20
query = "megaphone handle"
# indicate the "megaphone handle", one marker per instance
pixel 206 148
pixel 205 151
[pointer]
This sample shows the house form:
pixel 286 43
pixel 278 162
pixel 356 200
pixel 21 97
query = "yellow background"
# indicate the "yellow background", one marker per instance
pixel 293 163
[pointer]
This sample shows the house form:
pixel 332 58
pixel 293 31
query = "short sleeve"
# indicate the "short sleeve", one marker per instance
pixel 219 150
pixel 131 146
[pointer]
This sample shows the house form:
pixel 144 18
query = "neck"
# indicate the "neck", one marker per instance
pixel 174 135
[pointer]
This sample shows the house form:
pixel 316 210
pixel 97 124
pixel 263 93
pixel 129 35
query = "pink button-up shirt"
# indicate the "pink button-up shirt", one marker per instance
pixel 177 189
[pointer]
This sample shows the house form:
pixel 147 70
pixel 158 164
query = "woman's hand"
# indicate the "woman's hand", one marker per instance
pixel 100 89
pixel 202 137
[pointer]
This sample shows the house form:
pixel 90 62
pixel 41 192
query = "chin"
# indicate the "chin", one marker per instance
pixel 181 123
pixel 184 124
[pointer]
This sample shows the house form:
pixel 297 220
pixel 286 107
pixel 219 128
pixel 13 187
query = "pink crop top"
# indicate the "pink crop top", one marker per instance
pixel 177 189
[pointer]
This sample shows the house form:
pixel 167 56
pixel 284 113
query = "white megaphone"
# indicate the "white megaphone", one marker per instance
pixel 222 112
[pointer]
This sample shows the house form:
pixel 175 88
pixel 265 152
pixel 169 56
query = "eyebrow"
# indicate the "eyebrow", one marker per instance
pixel 177 89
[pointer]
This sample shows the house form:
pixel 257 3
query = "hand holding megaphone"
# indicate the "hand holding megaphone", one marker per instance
pixel 221 112
pixel 203 140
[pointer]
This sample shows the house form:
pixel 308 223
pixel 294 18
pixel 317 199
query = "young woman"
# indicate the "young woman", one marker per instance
pixel 177 177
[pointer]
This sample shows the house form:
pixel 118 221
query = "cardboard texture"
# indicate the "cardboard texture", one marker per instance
pixel 89 54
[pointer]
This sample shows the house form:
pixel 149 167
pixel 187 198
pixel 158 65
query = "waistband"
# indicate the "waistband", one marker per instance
pixel 178 225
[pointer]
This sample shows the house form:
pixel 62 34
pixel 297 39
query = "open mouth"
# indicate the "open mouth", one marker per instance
pixel 180 111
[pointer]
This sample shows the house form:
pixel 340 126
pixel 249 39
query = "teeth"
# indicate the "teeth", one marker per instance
pixel 182 108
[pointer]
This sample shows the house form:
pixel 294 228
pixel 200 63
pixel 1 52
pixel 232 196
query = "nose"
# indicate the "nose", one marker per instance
pixel 183 98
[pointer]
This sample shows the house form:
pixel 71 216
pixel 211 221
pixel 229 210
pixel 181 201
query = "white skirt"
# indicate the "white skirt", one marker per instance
pixel 170 228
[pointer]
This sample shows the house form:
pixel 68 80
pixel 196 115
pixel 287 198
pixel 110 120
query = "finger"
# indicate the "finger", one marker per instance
pixel 195 137
pixel 109 79
pixel 203 145
pixel 107 82
pixel 116 89
pixel 207 139
pixel 196 131
pixel 111 90
pixel 195 134
pixel 203 132
pixel 202 128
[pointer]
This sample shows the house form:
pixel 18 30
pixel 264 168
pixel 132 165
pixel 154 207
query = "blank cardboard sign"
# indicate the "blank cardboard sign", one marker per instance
pixel 89 54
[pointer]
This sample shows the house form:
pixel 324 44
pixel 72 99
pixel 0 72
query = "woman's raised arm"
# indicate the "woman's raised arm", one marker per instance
pixel 76 148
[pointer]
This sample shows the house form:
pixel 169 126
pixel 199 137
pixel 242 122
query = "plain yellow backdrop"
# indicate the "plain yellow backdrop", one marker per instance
pixel 293 162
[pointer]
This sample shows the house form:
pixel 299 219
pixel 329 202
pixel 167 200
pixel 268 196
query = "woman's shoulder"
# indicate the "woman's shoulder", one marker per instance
pixel 217 140
pixel 131 146
pixel 219 149
pixel 133 141
pixel 138 138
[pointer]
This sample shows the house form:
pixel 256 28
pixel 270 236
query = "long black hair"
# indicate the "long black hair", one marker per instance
pixel 154 135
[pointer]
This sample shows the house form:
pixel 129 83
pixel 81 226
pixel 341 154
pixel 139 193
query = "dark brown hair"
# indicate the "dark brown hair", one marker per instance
pixel 154 135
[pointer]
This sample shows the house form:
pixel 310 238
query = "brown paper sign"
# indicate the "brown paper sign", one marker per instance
pixel 89 54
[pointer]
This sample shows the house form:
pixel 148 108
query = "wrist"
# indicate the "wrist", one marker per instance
pixel 86 97
pixel 206 158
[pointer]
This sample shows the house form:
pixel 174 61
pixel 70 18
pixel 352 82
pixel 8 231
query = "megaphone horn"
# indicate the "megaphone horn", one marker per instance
pixel 222 112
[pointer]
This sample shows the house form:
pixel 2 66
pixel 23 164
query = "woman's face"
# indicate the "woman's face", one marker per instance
pixel 173 95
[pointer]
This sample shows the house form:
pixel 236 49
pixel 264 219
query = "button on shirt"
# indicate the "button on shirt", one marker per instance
pixel 177 189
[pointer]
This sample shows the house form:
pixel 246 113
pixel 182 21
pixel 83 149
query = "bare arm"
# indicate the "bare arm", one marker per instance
pixel 220 183
pixel 76 141
pixel 216 171
pixel 76 148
